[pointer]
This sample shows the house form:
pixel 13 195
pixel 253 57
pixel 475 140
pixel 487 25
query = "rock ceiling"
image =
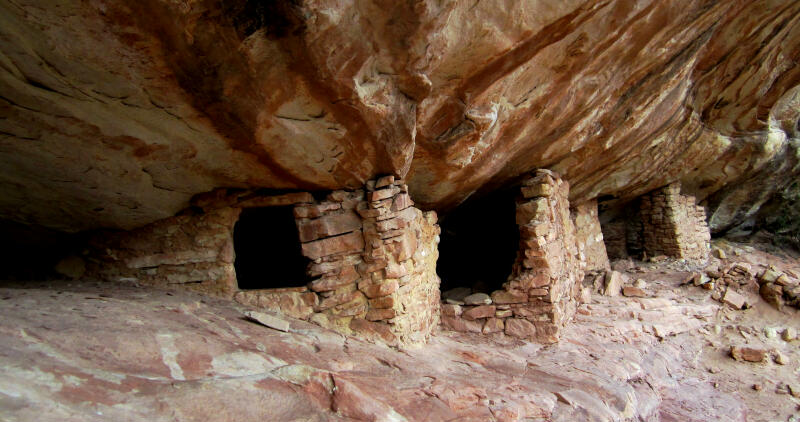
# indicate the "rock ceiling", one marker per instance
pixel 115 113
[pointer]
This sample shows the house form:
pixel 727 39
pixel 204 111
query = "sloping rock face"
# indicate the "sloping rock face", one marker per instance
pixel 120 111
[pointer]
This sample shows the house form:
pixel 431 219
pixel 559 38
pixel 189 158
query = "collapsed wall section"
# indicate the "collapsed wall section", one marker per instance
pixel 541 294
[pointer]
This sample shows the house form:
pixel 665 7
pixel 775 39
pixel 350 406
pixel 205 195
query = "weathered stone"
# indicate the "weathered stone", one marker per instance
pixel 381 194
pixel 457 293
pixel 748 354
pixel 395 270
pixel 451 310
pixel 340 299
pixel 531 211
pixel 733 299
pixel 789 334
pixel 347 275
pixel 401 201
pixel 614 281
pixel 380 314
pixel 478 299
pixel 373 290
pixel 501 297
pixel 503 313
pixel 384 181
pixel 373 330
pixel 328 225
pixel 462 325
pixel 482 311
pixel 537 190
pixel 631 291
pixel 382 302
pixel 493 325
pixel 268 320
pixel 351 242
pixel 520 328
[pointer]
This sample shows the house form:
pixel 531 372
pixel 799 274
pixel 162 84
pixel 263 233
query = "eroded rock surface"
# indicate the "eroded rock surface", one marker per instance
pixel 120 111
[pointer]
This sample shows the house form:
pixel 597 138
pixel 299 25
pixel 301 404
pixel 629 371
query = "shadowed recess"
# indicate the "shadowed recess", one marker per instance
pixel 268 249
pixel 479 243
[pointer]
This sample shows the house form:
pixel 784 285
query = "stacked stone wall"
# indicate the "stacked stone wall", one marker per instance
pixel 541 294
pixel 371 253
pixel 673 225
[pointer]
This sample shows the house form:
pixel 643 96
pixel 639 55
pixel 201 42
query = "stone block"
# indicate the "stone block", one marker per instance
pixel 404 247
pixel 401 202
pixel 532 211
pixel 373 290
pixel 381 194
pixel 613 281
pixel 503 313
pixel 384 181
pixel 339 299
pixel 380 314
pixel 351 242
pixel 328 225
pixel 346 275
pixel 520 328
pixel 733 299
pixel 382 302
pixel 630 291
pixel 395 270
pixel 493 325
pixel 502 297
pixel 451 310
pixel 478 299
pixel 537 190
pixel 482 311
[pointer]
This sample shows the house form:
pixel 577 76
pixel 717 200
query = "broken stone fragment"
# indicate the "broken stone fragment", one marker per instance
pixel 268 320
pixel 748 354
pixel 789 334
pixel 451 310
pixel 780 358
pixel 631 291
pixel 614 281
pixel 537 190
pixel 770 275
pixel 733 299
pixel 719 253
pixel 478 299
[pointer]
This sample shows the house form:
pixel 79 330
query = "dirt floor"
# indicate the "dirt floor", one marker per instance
pixel 85 351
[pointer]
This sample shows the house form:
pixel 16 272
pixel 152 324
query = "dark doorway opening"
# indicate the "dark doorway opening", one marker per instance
pixel 268 249
pixel 479 243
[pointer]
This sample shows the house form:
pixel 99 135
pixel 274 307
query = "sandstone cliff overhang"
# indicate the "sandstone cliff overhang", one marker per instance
pixel 116 113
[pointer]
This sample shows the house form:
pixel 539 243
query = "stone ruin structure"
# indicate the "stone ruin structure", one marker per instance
pixel 372 253
pixel 370 257
pixel 541 294
pixel 663 222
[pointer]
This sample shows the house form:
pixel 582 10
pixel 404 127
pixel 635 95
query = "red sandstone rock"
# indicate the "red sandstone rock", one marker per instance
pixel 493 325
pixel 380 314
pixel 473 313
pixel 631 291
pixel 501 297
pixel 520 328
pixel 748 354
pixel 351 242
pixel 328 225
pixel 734 299
pixel 346 275
pixel 374 290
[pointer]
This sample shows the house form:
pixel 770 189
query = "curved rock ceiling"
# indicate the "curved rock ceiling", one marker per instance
pixel 115 113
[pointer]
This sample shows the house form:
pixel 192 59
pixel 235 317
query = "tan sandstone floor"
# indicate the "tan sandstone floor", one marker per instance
pixel 81 351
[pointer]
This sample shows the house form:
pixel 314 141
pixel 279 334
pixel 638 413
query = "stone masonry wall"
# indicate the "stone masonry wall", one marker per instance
pixel 673 225
pixel 373 256
pixel 589 236
pixel 542 292
pixel 189 251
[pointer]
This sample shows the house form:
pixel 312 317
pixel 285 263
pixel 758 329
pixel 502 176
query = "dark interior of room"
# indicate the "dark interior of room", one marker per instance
pixel 479 243
pixel 268 249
